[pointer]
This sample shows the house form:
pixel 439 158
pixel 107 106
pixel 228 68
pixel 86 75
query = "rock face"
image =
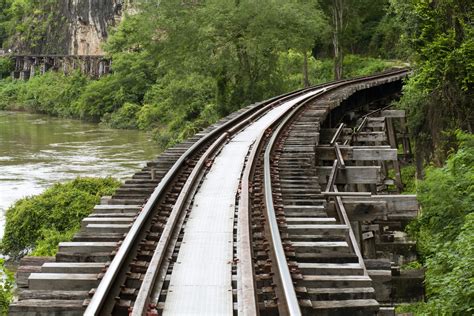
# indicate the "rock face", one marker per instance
pixel 87 23
pixel 74 27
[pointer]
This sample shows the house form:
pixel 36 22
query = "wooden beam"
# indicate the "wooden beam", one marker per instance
pixel 332 176
pixel 351 174
pixel 395 203
pixel 375 122
pixel 370 137
pixel 379 153
pixel 393 113
pixel 326 135
pixel 361 211
pixel 402 207
pixel 392 138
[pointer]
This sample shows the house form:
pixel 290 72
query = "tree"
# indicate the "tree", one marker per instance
pixel 439 95
pixel 234 45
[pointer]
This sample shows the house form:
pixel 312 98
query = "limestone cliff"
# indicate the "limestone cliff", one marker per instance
pixel 88 22
pixel 71 27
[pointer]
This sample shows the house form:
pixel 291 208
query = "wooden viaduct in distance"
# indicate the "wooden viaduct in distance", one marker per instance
pixel 26 66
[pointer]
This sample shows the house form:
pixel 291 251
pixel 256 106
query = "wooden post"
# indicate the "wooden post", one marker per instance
pixel 356 228
pixel 392 139
pixel 405 140
pixel 368 244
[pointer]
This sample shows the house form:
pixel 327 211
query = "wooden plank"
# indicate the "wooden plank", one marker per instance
pixel 361 211
pixel 361 153
pixel 328 133
pixel 395 203
pixel 370 137
pixel 351 174
pixel 393 113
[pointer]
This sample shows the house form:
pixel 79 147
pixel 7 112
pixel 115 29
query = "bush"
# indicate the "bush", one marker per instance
pixel 52 93
pixel 44 220
pixel 9 92
pixel 445 233
pixel 177 107
pixel 6 67
pixel 125 117
pixel 409 179
pixel 133 75
pixel 6 288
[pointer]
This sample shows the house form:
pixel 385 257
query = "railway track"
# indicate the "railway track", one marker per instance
pixel 234 221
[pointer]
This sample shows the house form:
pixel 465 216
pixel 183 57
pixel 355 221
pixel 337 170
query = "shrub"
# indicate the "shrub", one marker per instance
pixel 52 93
pixel 9 91
pixel 177 107
pixel 6 288
pixel 53 216
pixel 409 179
pixel 6 67
pixel 445 233
pixel 125 117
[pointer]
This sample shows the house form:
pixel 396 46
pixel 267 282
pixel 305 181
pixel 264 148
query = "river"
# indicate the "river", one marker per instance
pixel 37 151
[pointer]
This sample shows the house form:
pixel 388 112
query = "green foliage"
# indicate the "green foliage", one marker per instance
pixel 445 232
pixel 6 67
pixel 177 108
pixel 125 117
pixel 7 283
pixel 409 179
pixel 321 70
pixel 414 265
pixel 49 239
pixel 29 23
pixel 9 93
pixel 439 95
pixel 44 220
pixel 52 93
pixel 132 77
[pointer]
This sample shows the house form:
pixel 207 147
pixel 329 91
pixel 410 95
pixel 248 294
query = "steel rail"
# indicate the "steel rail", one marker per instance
pixel 246 290
pixel 144 295
pixel 110 277
pixel 141 303
pixel 290 300
pixel 106 285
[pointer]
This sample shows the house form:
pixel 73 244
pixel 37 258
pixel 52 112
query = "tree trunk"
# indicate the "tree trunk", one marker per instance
pixel 337 20
pixel 306 82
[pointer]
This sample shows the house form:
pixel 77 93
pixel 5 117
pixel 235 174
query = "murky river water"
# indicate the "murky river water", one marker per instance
pixel 37 151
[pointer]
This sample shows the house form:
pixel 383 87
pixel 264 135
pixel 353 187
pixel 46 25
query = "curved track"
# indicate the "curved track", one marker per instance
pixel 195 245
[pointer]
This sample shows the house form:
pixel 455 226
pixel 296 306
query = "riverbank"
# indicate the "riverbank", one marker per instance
pixel 37 151
pixel 172 107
